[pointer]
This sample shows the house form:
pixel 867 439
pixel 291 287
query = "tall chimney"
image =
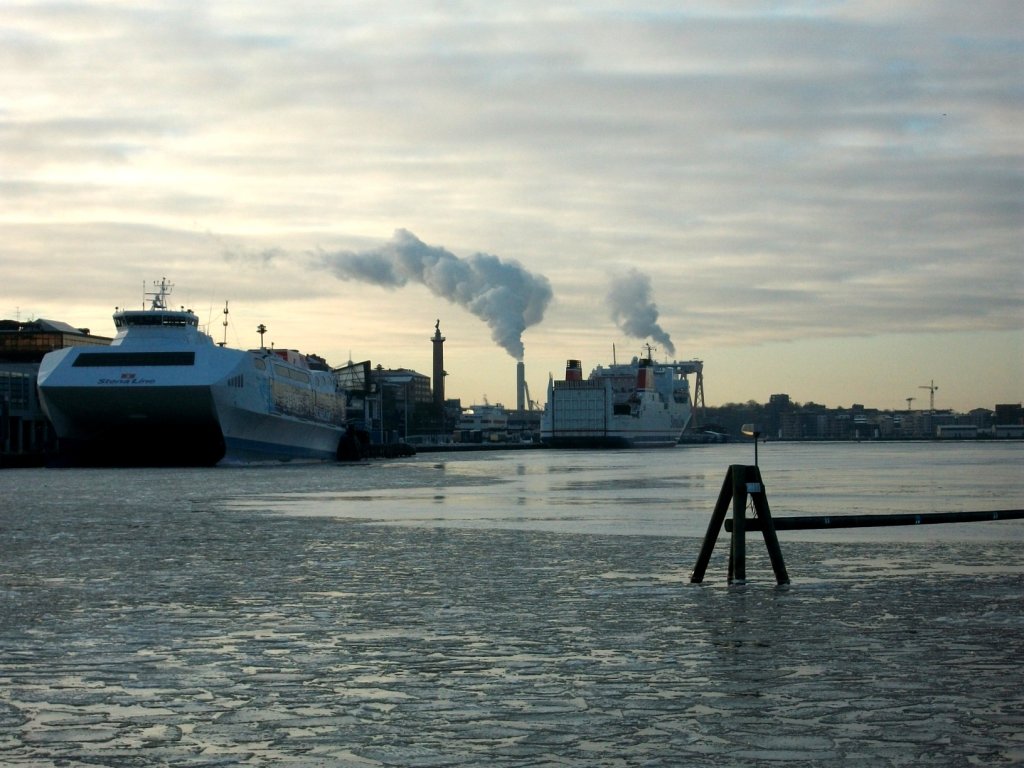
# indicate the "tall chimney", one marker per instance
pixel 520 386
pixel 439 373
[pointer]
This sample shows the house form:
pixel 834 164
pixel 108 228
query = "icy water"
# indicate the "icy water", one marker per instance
pixel 522 608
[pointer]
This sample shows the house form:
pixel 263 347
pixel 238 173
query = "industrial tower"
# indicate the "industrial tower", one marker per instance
pixel 439 373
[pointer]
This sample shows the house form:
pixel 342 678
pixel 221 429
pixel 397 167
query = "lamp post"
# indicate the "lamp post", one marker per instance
pixel 754 431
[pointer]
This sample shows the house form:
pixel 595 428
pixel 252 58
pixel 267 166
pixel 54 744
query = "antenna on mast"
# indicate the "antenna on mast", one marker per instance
pixel 161 290
pixel 225 324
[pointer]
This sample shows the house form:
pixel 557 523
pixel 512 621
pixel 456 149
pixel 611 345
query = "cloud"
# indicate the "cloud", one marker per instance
pixel 260 257
pixel 503 294
pixel 633 310
pixel 787 170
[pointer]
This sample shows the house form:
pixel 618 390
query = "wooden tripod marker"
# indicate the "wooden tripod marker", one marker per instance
pixel 743 481
pixel 740 482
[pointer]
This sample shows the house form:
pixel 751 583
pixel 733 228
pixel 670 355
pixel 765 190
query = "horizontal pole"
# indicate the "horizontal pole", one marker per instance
pixel 867 521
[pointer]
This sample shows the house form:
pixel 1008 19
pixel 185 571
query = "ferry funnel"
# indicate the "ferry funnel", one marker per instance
pixel 644 375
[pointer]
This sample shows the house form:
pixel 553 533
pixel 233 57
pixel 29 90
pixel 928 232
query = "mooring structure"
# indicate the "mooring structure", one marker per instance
pixel 744 484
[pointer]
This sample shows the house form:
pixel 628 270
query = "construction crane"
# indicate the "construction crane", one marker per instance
pixel 530 405
pixel 931 391
pixel 909 401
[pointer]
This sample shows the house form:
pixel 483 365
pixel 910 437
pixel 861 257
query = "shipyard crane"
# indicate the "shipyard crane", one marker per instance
pixel 931 391
pixel 530 404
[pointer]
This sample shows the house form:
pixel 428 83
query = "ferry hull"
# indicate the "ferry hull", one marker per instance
pixel 251 436
pixel 101 428
pixel 608 441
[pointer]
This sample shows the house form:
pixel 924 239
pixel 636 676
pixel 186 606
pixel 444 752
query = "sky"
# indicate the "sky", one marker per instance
pixel 824 199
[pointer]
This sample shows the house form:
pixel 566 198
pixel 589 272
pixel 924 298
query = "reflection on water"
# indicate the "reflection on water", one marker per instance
pixel 660 493
pixel 669 492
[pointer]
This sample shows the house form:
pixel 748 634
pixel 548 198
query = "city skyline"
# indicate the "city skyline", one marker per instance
pixel 821 200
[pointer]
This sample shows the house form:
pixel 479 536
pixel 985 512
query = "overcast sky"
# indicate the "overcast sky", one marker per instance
pixel 819 198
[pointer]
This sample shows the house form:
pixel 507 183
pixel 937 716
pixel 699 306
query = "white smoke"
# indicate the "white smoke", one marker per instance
pixel 501 293
pixel 633 310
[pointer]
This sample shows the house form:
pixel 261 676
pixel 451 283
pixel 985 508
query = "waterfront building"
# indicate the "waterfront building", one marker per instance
pixel 25 433
pixel 405 404
pixel 1009 413
pixel 956 432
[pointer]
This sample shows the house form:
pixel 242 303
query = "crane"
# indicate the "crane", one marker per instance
pixel 909 401
pixel 530 405
pixel 931 391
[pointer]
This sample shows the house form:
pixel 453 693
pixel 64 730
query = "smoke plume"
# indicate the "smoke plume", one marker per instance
pixel 633 310
pixel 501 293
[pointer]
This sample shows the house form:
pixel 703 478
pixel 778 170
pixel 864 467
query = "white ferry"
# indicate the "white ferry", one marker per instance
pixel 163 393
pixel 641 404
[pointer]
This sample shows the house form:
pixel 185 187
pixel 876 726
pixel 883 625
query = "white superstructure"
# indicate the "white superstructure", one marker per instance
pixel 164 393
pixel 641 404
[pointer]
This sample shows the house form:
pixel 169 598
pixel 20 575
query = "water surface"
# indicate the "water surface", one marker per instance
pixel 526 608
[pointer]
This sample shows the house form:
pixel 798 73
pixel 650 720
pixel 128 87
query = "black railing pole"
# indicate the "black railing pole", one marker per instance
pixel 815 522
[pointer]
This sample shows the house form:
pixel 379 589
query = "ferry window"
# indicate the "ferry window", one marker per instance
pixel 175 320
pixel 288 373
pixel 259 364
pixel 128 359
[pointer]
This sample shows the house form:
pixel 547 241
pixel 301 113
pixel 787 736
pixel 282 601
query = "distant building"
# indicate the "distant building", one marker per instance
pixel 406 404
pixel 524 424
pixel 1009 413
pixel 981 418
pixel 780 407
pixel 27 342
pixel 25 433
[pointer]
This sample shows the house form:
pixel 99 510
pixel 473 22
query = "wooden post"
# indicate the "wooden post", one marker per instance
pixel 714 528
pixel 764 517
pixel 738 550
pixel 740 482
